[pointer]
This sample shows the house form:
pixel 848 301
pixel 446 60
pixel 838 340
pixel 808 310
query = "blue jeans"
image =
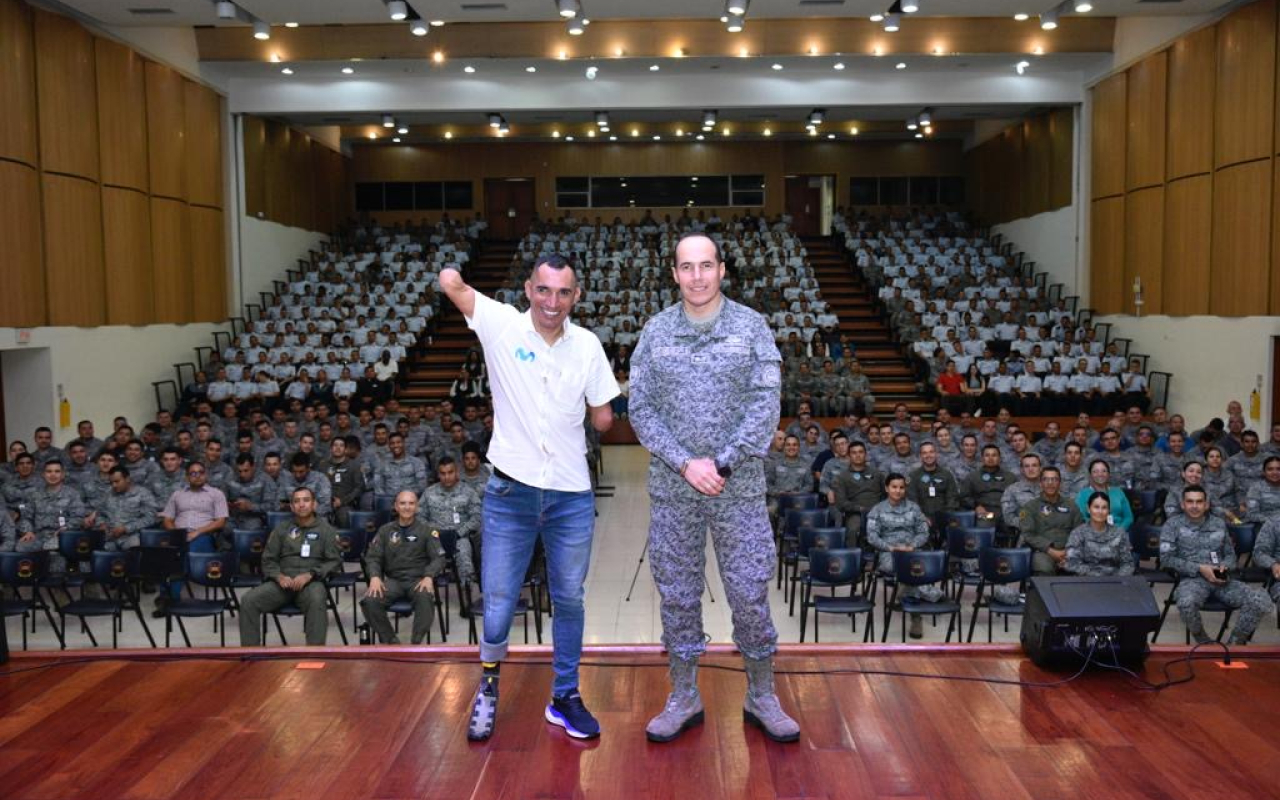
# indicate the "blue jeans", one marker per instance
pixel 515 515
pixel 201 544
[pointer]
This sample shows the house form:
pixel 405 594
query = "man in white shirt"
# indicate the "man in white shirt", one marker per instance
pixel 546 374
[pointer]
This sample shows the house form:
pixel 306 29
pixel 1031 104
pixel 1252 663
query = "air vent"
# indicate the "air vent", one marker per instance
pixel 483 6
pixel 150 12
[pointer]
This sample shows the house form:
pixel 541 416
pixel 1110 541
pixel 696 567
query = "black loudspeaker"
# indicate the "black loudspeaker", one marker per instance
pixel 1068 617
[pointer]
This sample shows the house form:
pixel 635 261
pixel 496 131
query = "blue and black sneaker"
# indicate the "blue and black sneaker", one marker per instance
pixel 569 713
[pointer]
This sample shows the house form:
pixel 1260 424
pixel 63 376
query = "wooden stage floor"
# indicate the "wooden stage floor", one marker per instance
pixel 390 723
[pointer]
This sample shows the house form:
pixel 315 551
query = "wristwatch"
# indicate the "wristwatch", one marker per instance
pixel 723 470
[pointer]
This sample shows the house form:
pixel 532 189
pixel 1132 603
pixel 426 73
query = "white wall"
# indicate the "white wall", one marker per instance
pixel 105 372
pixel 1213 359
pixel 267 249
pixel 1049 239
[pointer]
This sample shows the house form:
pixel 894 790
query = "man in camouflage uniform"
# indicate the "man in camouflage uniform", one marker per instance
pixel 346 478
pixel 24 483
pixel 704 402
pixel 169 478
pixel 403 558
pixel 398 471
pixel 1075 474
pixel 52 508
pixel 300 554
pixel 453 505
pixel 983 490
pixel 1266 554
pixel 1021 492
pixel 1196 547
pixel 126 512
pixel 96 489
pixel 1046 521
pixel 1246 466
pixel 932 486
pixel 788 474
pixel 903 461
pixel 299 475
pixel 857 490
pixel 249 496
pixel 8 532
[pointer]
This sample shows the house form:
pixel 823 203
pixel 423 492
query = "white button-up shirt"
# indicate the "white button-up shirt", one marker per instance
pixel 540 394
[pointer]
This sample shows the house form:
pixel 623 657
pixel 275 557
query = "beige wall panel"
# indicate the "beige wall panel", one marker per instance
pixel 1241 244
pixel 1245 93
pixel 1145 132
pixel 171 257
pixel 1144 247
pixel 166 132
pixel 122 115
pixel 1191 81
pixel 22 296
pixel 1062 179
pixel 302 182
pixel 126 235
pixel 208 265
pixel 202 108
pixel 1188 213
pixel 66 96
pixel 1109 136
pixel 277 173
pixel 1106 256
pixel 255 182
pixel 73 258
pixel 1037 165
pixel 17 84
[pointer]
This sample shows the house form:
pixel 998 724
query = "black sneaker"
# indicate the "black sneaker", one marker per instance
pixel 569 713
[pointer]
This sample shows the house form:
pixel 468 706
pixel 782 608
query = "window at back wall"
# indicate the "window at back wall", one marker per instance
pixel 420 196
pixel 928 190
pixel 660 191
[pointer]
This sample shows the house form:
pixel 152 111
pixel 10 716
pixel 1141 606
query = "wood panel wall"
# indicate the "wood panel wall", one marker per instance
pixel 92 136
pixel 1186 139
pixel 292 179
pixel 544 162
pixel 1025 170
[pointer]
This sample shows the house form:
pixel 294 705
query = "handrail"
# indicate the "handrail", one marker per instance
pixel 156 387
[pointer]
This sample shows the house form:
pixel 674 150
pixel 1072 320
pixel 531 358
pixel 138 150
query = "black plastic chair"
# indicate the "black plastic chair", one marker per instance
pixel 214 571
pixel 75 546
pixel 248 546
pixel 1243 537
pixel 365 520
pixel 20 571
pixel 384 508
pixel 966 543
pixel 789 535
pixel 352 543
pixel 799 501
pixel 274 518
pixel 1000 566
pixel 833 568
pixel 291 610
pixel 159 537
pixel 810 538
pixel 115 571
pixel 958 519
pixel 1144 540
pixel 919 568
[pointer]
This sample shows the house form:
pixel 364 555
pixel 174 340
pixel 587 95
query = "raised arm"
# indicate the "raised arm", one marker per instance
pixel 458 292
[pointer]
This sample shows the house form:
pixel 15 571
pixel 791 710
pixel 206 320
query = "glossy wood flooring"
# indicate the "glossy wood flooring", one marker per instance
pixel 364 728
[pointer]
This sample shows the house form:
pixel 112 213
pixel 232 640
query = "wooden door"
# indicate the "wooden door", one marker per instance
pixel 508 206
pixel 804 204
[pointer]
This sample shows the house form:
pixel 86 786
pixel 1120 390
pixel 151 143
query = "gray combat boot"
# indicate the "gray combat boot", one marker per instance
pixel 684 705
pixel 762 708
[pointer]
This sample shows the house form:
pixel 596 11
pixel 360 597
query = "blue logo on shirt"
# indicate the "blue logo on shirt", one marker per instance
pixel 525 355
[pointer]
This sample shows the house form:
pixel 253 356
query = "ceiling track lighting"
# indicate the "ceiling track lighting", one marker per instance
pixel 419 27
pixel 911 6
pixel 708 119
pixel 261 30
pixel 736 7
pixel 227 9
pixel 575 26
pixel 495 120
pixel 1083 6
pixel 398 10
pixel 816 116
pixel 734 24
pixel 892 23
pixel 602 119
pixel 388 121
pixel 1049 19
pixel 567 8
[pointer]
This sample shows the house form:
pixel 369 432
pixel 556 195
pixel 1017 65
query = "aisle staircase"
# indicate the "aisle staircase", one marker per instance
pixel 430 369
pixel 882 358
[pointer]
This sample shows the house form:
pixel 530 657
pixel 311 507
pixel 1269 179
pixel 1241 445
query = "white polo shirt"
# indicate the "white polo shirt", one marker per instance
pixel 540 395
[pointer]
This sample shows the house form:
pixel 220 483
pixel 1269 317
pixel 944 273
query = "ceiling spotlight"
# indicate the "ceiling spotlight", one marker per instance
pixel 735 24
pixel 831 136
pixel 261 30
pixel 402 130
pixel 226 9
pixel 388 121
pixel 448 134
pixel 900 65
pixel 468 69
pixel 816 116
pixel 708 119
pixel 853 131
pixel 396 139
pixel 591 133
pixel 437 23
pixel 654 67
pixel 877 17
pixel 768 131
pixel 592 72
pixel 1022 66
pixel 1049 19
pixel 555 134
pixel 348 70
pixel 912 124
pixel 919 135
pixel 286 71
pixel 495 120
pixel 602 119
pixel 925 118
pixel 775 66
pixel 838 65
pixel 504 128
pixel 418 28
pixel 736 7
pixel 576 28
pixel 892 22
pixel 568 8
pixel 398 9
pixel 530 69
pixel 700 137
pixel 657 138
pixel 635 132
pixel 568 138
pixel 1083 6
pixel 373 135
pixel 1020 17
pixel 812 130
pixel 613 138
pixel 911 6
pixel 438 57
pixel 604 128
pixel 291 24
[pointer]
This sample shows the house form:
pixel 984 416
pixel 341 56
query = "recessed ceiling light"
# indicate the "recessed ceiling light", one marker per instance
pixel 418 28
pixel 591 133
pixel 877 17
pixel 635 132
pixel 853 131
pixel 468 69
pixel 1083 6
pixel 654 67
pixel 396 139
pixel 919 135
pixel 838 65
pixel 613 138
pixel 287 71
pixel 402 130
pixel 437 57
pixel 398 9
pixel 657 138
pixel 900 65
pixel 437 23
pixel 555 134
pixel 291 24
pixel 373 136
pixel 348 70
pixel 568 138
pixel 604 128
pixel 1022 17
pixel 530 68
pixel 448 134
pixel 724 132
pixel 700 137
pixel 768 132
pixel 775 66
pixel 831 136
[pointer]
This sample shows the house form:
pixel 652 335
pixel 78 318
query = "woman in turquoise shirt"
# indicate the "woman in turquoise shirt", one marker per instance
pixel 1100 481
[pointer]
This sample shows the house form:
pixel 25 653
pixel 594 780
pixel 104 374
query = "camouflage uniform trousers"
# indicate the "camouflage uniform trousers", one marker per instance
pixel 1252 602
pixel 44 541
pixel 745 553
